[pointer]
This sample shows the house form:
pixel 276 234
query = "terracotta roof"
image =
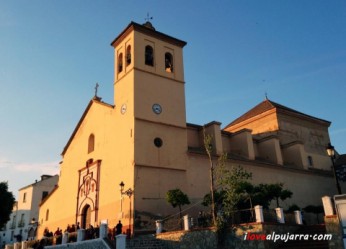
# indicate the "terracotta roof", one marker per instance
pixel 267 105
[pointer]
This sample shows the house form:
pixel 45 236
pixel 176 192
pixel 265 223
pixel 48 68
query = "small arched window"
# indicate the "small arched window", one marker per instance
pixel 47 214
pixel 169 62
pixel 91 143
pixel 120 63
pixel 128 55
pixel 149 56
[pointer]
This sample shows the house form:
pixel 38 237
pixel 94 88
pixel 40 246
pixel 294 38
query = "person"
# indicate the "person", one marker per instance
pixel 119 228
pixel 73 228
pixel 41 245
pixel 58 236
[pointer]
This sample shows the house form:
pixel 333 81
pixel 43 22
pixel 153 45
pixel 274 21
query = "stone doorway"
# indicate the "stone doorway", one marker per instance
pixel 86 216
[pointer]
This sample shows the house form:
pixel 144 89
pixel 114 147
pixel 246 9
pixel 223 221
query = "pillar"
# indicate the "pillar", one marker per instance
pixel 120 241
pixel 80 235
pixel 259 214
pixel 280 215
pixel 327 205
pixel 158 226
pixel 103 230
pixel 24 244
pixel 16 245
pixel 298 217
pixel 64 238
pixel 186 223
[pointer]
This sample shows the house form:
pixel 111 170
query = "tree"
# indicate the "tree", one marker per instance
pixel 274 191
pixel 209 149
pixel 315 210
pixel 235 184
pixel 218 198
pixel 6 203
pixel 176 197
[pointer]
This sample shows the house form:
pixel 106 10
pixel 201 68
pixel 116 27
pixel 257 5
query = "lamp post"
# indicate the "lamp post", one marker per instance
pixel 129 193
pixel 331 154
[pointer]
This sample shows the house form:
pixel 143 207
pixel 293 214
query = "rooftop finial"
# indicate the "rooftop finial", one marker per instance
pixel 148 18
pixel 266 95
pixel 148 23
pixel 96 87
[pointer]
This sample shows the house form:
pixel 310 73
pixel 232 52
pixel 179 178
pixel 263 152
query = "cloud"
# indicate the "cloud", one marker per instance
pixel 4 163
pixel 45 168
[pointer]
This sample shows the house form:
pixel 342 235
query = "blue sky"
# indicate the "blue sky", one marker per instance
pixel 52 52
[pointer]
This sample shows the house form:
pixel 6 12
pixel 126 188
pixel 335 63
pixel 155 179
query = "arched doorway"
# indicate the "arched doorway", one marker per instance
pixel 86 216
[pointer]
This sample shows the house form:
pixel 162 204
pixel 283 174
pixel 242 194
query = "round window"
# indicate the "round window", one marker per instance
pixel 158 142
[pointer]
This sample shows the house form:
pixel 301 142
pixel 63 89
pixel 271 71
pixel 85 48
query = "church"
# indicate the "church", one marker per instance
pixel 122 158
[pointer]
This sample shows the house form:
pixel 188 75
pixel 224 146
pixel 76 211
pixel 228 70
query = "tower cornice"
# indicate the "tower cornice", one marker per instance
pixel 133 26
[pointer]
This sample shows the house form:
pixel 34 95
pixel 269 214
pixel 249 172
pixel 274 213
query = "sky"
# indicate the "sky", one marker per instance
pixel 52 53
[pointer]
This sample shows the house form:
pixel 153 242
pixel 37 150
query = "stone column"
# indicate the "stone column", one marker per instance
pixel 80 235
pixel 120 241
pixel 24 244
pixel 327 205
pixel 158 226
pixel 64 238
pixel 103 230
pixel 298 217
pixel 8 247
pixel 16 245
pixel 186 223
pixel 259 214
pixel 280 215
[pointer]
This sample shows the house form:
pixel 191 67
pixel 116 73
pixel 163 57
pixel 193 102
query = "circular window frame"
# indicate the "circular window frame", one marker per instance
pixel 158 142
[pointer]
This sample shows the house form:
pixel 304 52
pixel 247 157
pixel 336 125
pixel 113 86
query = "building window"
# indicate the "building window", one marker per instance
pixel 120 63
pixel 13 226
pixel 47 214
pixel 169 62
pixel 24 197
pixel 44 194
pixel 311 163
pixel 149 56
pixel 91 143
pixel 22 221
pixel 128 55
pixel 158 142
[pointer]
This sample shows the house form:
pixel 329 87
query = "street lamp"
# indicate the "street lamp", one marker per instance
pixel 331 154
pixel 129 193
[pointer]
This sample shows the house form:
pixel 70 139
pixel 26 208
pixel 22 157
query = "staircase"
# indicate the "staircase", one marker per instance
pixel 310 243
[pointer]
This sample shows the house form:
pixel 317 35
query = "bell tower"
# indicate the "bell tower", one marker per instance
pixel 150 91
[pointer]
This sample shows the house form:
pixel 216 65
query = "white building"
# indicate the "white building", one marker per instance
pixel 23 220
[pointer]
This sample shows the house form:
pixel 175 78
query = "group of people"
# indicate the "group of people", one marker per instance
pixel 90 233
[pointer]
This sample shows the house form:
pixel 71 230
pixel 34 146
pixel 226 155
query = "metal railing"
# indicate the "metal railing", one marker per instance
pixel 21 223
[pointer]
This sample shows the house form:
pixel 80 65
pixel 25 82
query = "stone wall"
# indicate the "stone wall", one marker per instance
pixel 87 244
pixel 207 238
pixel 333 227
